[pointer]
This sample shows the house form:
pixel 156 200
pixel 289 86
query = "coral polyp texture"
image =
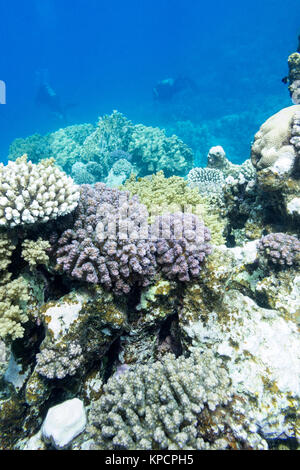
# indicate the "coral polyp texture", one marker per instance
pixel 294 77
pixel 183 403
pixel 280 249
pixel 273 141
pixel 32 193
pixel 207 180
pixel 109 242
pixel 181 245
pixel 156 151
pixel 58 362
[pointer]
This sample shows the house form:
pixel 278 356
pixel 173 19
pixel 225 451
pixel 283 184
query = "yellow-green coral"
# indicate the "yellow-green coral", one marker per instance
pixel 34 252
pixel 7 246
pixel 162 195
pixel 13 295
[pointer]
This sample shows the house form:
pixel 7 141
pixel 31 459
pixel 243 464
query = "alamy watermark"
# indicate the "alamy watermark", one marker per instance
pixel 2 92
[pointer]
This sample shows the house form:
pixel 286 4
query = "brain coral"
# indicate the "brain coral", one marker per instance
pixel 109 241
pixel 272 141
pixel 32 193
pixel 181 244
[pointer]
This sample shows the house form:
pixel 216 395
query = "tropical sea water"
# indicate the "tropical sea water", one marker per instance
pixel 104 55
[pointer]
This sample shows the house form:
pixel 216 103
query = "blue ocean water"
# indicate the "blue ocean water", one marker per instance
pixel 104 55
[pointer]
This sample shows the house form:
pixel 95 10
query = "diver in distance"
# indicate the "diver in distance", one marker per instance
pixel 47 97
pixel 166 89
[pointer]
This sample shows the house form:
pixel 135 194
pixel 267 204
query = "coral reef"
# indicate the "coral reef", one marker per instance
pixel 141 316
pixel 207 180
pixel 59 361
pixel 181 244
pixel 109 241
pixel 35 252
pixel 183 403
pixel 120 171
pixel 168 195
pixel 34 193
pixel 294 77
pixel 151 147
pixel 280 249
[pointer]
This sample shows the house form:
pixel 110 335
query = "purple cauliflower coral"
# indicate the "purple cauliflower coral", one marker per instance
pixel 279 249
pixel 109 242
pixel 181 245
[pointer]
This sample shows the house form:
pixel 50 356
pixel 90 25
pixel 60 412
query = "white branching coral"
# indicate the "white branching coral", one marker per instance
pixel 32 193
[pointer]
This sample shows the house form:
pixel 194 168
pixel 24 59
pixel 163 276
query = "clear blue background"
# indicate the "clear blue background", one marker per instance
pixel 106 55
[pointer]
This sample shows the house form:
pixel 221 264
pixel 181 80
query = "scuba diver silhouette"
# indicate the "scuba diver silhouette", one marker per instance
pixel 166 89
pixel 47 97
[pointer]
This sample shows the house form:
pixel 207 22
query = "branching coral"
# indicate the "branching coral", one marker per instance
pixel 32 193
pixel 59 361
pixel 13 296
pixel 7 246
pixel 66 144
pixel 154 151
pixel 35 252
pixel 109 241
pixel 181 244
pixel 35 146
pixel 168 195
pixel 207 180
pixel 280 249
pixel 183 403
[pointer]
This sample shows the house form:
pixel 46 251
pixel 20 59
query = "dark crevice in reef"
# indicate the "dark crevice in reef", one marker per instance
pixel 169 335
pixel 17 262
pixel 28 346
pixel 111 358
pixel 56 285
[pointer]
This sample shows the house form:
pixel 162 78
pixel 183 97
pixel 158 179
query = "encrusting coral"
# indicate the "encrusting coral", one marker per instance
pixel 32 193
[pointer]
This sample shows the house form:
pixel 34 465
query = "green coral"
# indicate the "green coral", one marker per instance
pixel 151 147
pixel 162 195
pixel 35 146
pixel 66 144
